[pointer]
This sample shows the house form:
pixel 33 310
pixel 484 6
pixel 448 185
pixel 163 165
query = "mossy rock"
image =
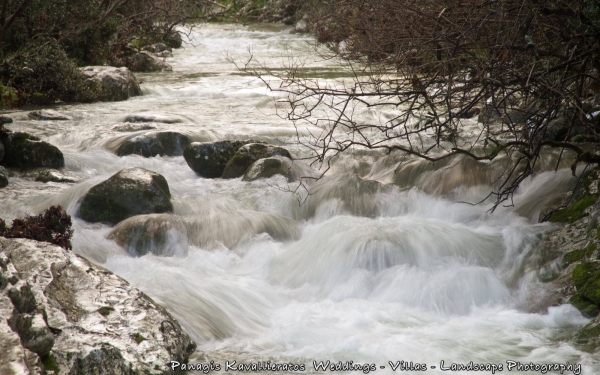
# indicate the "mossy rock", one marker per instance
pixel 23 150
pixel 573 212
pixel 582 273
pixel 133 191
pixel 246 155
pixel 586 307
pixel 572 257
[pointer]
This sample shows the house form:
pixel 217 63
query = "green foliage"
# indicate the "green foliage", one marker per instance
pixel 587 308
pixel 106 310
pixel 50 364
pixel 572 257
pixel 573 212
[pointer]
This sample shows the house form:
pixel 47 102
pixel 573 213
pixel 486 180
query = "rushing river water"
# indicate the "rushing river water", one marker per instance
pixel 362 271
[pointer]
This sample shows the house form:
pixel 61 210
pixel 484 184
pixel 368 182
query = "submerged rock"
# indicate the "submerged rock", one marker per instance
pixel 47 115
pixel 159 234
pixel 128 127
pixel 79 318
pixel 209 159
pixel 152 118
pixel 114 84
pixel 5 120
pixel 155 143
pixel 133 191
pixel 3 177
pixel 248 154
pixel 147 62
pixel 268 167
pixel 22 150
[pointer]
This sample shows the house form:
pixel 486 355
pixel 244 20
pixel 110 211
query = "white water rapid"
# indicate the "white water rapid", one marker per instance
pixel 363 271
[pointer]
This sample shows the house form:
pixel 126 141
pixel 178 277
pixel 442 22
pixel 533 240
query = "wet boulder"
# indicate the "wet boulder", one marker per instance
pixel 145 61
pixel 23 150
pixel 49 175
pixel 47 115
pixel 159 234
pixel 173 39
pixel 157 48
pixel 149 117
pixel 114 84
pixel 209 159
pixel 133 191
pixel 5 120
pixel 268 167
pixel 248 154
pixel 3 177
pixel 155 143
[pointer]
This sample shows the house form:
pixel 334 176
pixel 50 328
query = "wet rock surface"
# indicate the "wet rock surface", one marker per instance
pixel 248 154
pixel 133 191
pixel 22 150
pixel 47 115
pixel 60 313
pixel 155 143
pixel 209 159
pixel 152 118
pixel 114 84
pixel 268 167
pixel 145 61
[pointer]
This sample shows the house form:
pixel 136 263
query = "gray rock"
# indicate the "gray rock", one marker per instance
pixel 3 177
pixel 173 39
pixel 88 320
pixel 209 159
pixel 145 61
pixel 157 48
pixel 268 167
pixel 23 150
pixel 155 143
pixel 301 26
pixel 248 154
pixel 133 191
pixel 128 127
pixel 5 120
pixel 114 84
pixel 152 118
pixel 164 54
pixel 53 176
pixel 159 234
pixel 47 115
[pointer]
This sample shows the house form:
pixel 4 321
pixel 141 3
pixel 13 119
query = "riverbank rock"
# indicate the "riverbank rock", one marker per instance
pixel 159 234
pixel 61 313
pixel 3 177
pixel 209 159
pixel 155 143
pixel 145 61
pixel 23 150
pixel 133 191
pixel 114 84
pixel 152 118
pixel 268 167
pixel 248 154
pixel 173 39
pixel 47 115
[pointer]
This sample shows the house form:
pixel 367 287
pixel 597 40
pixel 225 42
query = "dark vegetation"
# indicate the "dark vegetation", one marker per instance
pixel 529 69
pixel 43 42
pixel 53 226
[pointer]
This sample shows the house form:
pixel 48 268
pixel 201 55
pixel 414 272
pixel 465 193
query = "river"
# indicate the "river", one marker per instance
pixel 367 273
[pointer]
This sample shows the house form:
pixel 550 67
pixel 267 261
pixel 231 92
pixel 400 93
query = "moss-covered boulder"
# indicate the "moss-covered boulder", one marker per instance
pixel 246 155
pixel 209 159
pixel 23 150
pixel 113 84
pixel 3 177
pixel 268 167
pixel 133 191
pixel 159 234
pixel 155 143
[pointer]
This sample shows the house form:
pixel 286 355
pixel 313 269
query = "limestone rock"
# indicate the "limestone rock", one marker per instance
pixel 159 234
pixel 87 320
pixel 3 177
pixel 248 154
pixel 155 143
pixel 47 115
pixel 209 159
pixel 23 150
pixel 268 167
pixel 133 191
pixel 145 61
pixel 114 84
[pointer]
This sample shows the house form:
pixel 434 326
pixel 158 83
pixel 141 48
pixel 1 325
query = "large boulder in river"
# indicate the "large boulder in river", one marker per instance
pixel 114 84
pixel 248 154
pixel 268 167
pixel 133 191
pixel 155 143
pixel 159 234
pixel 3 177
pixel 209 159
pixel 145 61
pixel 47 115
pixel 23 150
pixel 80 317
